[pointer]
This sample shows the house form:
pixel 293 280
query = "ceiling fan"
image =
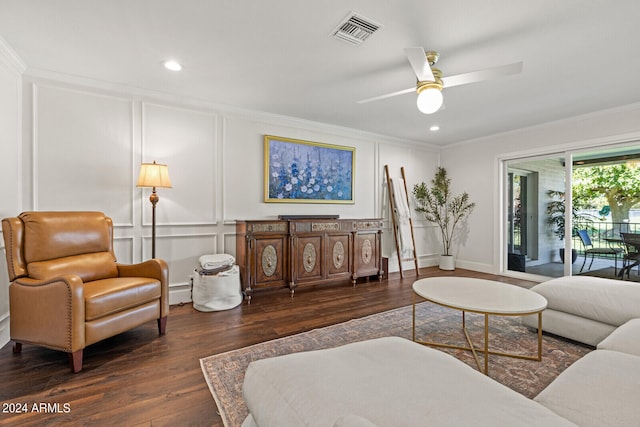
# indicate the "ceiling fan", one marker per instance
pixel 430 80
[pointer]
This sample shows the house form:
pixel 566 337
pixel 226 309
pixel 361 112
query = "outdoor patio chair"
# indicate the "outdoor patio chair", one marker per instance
pixel 589 249
pixel 631 254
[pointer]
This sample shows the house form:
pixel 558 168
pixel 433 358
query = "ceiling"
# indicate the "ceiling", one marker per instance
pixel 279 57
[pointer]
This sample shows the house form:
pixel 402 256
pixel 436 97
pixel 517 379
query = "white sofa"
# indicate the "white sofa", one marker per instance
pixel 602 388
pixel 396 382
pixel 586 309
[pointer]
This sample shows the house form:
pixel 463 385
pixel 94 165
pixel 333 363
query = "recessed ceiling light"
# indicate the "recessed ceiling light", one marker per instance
pixel 434 128
pixel 172 65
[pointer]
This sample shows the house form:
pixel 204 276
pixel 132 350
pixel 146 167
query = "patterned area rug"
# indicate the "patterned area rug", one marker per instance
pixel 224 372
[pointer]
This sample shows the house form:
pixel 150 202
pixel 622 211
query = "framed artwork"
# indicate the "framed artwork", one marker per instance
pixel 298 171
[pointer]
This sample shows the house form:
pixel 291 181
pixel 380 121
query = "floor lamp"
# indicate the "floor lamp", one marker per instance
pixel 154 175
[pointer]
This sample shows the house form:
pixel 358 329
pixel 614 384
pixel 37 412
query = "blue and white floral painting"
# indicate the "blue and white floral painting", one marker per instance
pixel 309 172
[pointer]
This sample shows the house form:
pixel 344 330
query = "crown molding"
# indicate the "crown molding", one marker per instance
pixel 11 57
pixel 223 109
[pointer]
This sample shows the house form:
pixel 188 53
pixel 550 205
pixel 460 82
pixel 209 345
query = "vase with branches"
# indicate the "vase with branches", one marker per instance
pixel 440 206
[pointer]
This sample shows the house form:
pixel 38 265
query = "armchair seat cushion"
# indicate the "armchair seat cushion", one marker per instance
pixel 108 296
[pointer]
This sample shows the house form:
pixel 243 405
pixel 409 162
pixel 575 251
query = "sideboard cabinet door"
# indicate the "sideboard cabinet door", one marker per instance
pixel 367 256
pixel 307 265
pixel 338 256
pixel 262 254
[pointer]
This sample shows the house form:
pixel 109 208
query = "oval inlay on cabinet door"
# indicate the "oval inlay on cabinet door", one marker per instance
pixel 367 251
pixel 269 260
pixel 338 255
pixel 309 257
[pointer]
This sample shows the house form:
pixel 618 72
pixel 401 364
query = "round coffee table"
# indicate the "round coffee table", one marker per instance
pixel 485 297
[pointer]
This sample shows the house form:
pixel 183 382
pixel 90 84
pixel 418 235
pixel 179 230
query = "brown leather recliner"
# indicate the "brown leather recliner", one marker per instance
pixel 67 289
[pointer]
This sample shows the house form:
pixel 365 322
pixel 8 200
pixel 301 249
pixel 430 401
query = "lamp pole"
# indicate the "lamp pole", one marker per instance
pixel 153 198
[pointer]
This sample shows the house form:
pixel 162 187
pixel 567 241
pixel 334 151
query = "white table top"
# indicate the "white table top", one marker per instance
pixel 479 295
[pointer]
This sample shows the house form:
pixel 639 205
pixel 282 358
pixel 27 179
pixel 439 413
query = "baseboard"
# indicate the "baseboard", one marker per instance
pixel 179 293
pixel 5 337
pixel 423 261
pixel 475 266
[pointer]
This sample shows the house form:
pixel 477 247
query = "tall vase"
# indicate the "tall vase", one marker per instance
pixel 447 262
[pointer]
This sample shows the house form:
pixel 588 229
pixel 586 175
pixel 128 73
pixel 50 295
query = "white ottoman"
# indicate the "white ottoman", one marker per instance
pixel 218 291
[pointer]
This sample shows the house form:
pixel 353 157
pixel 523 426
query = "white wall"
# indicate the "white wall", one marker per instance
pixel 84 144
pixel 474 167
pixel 10 160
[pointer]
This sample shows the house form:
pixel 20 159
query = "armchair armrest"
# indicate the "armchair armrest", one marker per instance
pixel 154 268
pixel 48 312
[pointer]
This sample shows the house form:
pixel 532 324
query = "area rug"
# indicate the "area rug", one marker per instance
pixel 224 372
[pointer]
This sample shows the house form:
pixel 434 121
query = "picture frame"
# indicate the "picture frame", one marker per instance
pixel 297 171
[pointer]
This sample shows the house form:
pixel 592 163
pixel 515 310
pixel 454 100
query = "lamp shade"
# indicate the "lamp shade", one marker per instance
pixel 154 175
pixel 429 100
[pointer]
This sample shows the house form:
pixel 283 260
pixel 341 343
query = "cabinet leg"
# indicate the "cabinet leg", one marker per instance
pixel 292 288
pixel 247 294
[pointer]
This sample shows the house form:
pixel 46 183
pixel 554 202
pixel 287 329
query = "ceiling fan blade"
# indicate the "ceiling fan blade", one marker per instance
pixel 481 75
pixel 388 95
pixel 418 60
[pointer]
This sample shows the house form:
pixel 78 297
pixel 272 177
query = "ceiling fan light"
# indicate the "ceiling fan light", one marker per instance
pixel 172 65
pixel 429 100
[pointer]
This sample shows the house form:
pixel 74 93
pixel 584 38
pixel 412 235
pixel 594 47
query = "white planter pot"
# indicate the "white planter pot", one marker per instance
pixel 447 262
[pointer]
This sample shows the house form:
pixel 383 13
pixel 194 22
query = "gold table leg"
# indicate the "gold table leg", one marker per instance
pixel 473 348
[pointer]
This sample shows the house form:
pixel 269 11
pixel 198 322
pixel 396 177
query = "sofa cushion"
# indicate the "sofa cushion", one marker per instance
pixel 601 389
pixel 391 381
pixel 625 339
pixel 108 296
pixel 606 300
pixel 95 266
pixel 570 326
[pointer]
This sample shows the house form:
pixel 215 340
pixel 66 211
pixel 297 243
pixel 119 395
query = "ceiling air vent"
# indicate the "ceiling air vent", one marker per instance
pixel 355 29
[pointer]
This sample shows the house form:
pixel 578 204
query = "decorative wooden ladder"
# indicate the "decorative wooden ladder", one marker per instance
pixel 399 204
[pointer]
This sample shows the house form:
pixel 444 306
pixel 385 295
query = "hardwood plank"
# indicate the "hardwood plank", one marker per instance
pixel 139 378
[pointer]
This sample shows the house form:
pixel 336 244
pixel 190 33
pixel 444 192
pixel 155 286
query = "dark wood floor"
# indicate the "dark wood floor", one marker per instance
pixel 141 379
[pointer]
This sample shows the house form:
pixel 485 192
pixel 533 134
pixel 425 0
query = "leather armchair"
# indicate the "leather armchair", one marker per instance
pixel 67 291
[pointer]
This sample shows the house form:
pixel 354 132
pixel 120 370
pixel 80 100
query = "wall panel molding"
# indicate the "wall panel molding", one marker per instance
pixel 186 140
pixel 129 249
pixel 81 151
pixel 181 251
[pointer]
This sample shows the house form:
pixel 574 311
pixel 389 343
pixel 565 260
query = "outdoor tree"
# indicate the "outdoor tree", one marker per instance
pixel 619 185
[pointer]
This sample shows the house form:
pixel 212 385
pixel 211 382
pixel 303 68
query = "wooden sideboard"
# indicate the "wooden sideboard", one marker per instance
pixel 288 253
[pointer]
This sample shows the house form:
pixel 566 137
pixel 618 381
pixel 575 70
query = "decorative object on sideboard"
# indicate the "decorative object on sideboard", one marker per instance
pixel 288 217
pixel 298 171
pixel 154 175
pixel 444 209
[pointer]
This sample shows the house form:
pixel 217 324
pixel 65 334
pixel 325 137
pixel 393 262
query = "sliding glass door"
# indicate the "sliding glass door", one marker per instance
pixel 549 201
pixel 531 245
